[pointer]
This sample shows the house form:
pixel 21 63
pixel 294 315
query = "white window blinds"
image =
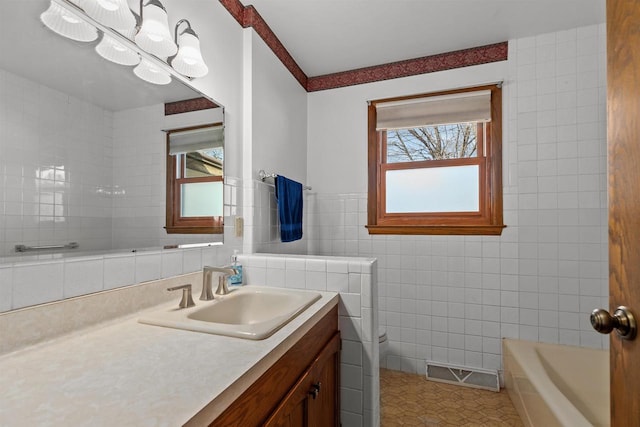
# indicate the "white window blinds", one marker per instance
pixel 435 110
pixel 196 139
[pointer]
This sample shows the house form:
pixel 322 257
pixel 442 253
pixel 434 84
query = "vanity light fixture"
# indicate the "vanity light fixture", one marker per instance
pixel 111 49
pixel 154 35
pixel 146 45
pixel 188 60
pixel 151 73
pixel 112 13
pixel 66 23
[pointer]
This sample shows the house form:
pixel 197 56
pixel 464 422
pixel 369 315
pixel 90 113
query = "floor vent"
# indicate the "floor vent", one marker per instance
pixel 463 375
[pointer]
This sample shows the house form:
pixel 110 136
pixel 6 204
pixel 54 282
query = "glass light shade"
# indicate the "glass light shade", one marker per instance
pixel 112 13
pixel 189 60
pixel 152 74
pixel 154 35
pixel 68 24
pixel 114 51
pixel 130 34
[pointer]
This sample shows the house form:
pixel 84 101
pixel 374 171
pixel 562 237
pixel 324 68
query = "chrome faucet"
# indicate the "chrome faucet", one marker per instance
pixel 223 289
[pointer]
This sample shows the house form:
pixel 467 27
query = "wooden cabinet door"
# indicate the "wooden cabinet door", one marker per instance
pixel 315 399
pixel 293 410
pixel 623 129
pixel 324 398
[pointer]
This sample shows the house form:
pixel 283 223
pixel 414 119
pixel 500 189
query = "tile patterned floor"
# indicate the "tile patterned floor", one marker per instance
pixel 411 400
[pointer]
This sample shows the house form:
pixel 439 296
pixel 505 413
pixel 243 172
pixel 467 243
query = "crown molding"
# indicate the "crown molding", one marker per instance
pixel 411 67
pixel 188 105
pixel 248 17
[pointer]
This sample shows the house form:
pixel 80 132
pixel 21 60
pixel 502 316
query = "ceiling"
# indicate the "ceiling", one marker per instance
pixel 323 36
pixel 328 36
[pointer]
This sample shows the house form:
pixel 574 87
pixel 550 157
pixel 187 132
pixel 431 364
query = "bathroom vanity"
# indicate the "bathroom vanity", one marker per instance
pixel 300 389
pixel 121 372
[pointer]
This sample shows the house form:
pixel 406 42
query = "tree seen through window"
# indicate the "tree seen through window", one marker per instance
pixel 439 142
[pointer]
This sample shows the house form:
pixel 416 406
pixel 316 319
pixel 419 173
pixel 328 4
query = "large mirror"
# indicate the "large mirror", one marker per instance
pixel 83 145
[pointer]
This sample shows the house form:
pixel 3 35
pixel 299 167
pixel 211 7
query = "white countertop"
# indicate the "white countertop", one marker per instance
pixel 131 374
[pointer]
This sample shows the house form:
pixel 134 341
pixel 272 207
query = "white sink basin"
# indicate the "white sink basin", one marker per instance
pixel 250 312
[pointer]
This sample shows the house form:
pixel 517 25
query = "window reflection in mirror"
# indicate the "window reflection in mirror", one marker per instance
pixel 195 160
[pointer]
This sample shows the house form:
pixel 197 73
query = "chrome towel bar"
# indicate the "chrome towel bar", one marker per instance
pixel 23 248
pixel 263 175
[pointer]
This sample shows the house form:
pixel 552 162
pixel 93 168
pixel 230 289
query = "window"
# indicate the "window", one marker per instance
pixel 195 159
pixel 435 163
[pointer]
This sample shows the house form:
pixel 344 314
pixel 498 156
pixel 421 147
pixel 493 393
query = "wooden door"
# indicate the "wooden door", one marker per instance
pixel 623 138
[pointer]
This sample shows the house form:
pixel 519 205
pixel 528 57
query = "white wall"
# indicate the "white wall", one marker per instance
pixel 278 143
pixel 279 123
pixel 451 298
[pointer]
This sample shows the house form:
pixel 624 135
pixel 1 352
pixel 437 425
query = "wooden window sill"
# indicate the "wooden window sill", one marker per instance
pixel 194 230
pixel 466 230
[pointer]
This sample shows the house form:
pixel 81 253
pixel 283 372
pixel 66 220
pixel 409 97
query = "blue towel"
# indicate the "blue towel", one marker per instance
pixel 289 196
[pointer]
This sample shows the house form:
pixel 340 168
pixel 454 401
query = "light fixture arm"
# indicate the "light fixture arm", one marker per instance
pixel 187 30
pixel 153 2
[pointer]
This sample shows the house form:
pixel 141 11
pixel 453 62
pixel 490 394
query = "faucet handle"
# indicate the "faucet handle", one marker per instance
pixel 187 300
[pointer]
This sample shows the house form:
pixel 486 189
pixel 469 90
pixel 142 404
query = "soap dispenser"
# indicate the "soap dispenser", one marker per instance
pixel 236 279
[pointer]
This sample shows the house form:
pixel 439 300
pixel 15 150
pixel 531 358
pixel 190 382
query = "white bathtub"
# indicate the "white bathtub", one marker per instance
pixel 557 385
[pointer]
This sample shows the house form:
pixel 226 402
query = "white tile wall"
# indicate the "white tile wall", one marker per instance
pixel 82 276
pixel 148 266
pixel 451 298
pixel 29 288
pixel 357 278
pixel 6 288
pixel 119 270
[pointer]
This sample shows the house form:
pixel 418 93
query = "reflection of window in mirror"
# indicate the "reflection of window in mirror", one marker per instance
pixel 195 158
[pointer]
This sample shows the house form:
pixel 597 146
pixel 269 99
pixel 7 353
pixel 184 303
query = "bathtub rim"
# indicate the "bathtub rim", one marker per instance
pixel 524 353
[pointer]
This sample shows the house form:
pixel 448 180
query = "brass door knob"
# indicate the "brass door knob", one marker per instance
pixel 622 321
